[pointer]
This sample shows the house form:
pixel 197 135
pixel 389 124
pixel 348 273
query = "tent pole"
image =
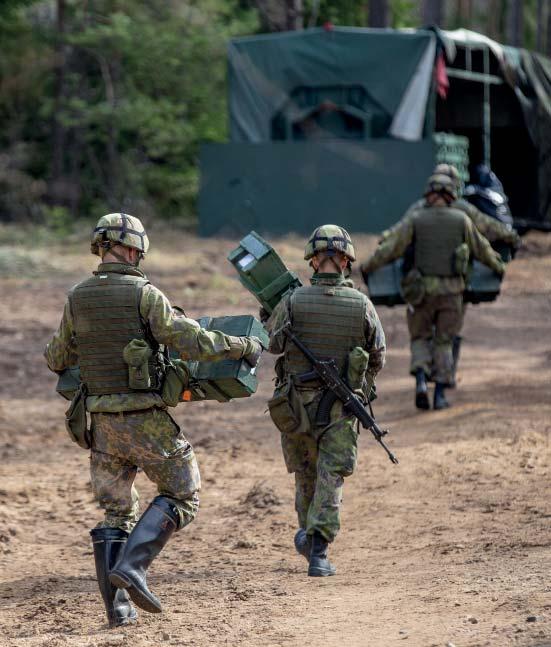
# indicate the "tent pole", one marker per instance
pixel 487 109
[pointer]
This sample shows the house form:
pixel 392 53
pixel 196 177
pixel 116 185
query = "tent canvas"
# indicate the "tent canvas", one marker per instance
pixel 369 92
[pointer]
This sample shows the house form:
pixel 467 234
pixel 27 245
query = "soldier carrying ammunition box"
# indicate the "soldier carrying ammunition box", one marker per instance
pixel 441 239
pixel 116 326
pixel 499 234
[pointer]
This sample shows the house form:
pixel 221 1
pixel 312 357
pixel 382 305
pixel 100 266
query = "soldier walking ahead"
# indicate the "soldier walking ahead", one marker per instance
pixel 334 321
pixel 442 238
pixel 115 310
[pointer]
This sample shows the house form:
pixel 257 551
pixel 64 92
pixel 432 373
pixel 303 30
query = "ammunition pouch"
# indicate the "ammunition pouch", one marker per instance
pixel 136 354
pixel 461 259
pixel 358 359
pixel 175 382
pixel 413 287
pixel 76 421
pixel 286 409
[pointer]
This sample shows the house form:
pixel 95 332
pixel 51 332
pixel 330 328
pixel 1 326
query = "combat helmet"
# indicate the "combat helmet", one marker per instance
pixel 450 170
pixel 329 239
pixel 119 229
pixel 443 185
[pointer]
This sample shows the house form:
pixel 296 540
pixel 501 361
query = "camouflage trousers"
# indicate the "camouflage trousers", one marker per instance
pixel 320 459
pixel 150 440
pixel 433 325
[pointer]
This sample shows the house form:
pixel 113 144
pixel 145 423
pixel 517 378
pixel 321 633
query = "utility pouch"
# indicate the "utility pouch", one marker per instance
pixel 136 354
pixel 287 411
pixel 358 359
pixel 461 258
pixel 175 382
pixel 76 421
pixel 413 287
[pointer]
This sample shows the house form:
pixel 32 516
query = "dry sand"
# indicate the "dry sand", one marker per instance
pixel 453 546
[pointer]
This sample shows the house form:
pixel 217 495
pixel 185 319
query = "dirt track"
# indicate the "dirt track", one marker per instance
pixel 452 546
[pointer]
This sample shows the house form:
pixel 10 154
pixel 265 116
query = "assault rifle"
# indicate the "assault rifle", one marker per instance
pixel 337 389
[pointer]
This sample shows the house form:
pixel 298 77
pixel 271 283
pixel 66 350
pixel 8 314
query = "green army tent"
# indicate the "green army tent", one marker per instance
pixel 338 125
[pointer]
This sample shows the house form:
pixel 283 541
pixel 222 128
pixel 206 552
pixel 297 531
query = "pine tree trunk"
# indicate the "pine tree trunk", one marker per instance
pixel 515 23
pixel 378 13
pixel 432 12
pixel 540 25
pixel 59 133
pixel 492 19
pixel 280 15
pixel 294 15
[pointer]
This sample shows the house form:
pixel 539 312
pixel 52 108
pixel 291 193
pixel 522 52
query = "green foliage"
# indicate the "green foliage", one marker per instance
pixel 112 110
pixel 404 13
pixel 58 220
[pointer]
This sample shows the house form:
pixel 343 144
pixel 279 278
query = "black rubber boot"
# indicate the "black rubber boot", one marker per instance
pixel 320 566
pixel 145 542
pixel 421 390
pixel 303 543
pixel 440 401
pixel 108 544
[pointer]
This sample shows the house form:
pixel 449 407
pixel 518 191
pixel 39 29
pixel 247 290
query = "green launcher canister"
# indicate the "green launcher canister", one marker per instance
pixel 262 271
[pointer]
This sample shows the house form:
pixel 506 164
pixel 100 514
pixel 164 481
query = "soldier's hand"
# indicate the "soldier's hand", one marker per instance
pixel 253 350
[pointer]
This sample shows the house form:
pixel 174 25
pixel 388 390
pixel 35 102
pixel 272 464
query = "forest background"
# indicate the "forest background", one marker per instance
pixel 104 103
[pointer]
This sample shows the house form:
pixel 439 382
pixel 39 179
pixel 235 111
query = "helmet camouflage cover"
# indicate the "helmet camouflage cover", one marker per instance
pixel 119 229
pixel 450 170
pixel 330 239
pixel 443 185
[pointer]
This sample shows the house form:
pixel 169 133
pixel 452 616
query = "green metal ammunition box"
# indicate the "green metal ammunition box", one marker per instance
pixel 262 271
pixel 224 381
pixel 221 381
pixel 383 284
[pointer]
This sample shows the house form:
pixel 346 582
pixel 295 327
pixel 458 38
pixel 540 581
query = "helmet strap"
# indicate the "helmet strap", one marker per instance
pixel 121 258
pixel 337 265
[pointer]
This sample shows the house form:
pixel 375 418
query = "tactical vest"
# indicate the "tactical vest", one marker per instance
pixel 106 316
pixel 330 320
pixel 438 233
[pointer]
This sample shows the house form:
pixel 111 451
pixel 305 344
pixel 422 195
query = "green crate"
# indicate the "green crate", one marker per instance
pixel 453 149
pixel 228 379
pixel 262 271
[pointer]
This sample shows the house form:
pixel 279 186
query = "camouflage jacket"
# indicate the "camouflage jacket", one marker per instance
pixel 401 236
pixel 375 343
pixel 489 227
pixel 168 326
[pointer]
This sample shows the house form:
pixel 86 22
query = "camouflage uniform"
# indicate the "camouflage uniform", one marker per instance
pixel 438 319
pixel 131 430
pixel 321 458
pixel 116 327
pixel 492 229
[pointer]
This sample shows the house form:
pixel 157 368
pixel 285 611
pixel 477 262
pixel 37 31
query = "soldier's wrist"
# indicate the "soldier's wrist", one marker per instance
pixel 237 347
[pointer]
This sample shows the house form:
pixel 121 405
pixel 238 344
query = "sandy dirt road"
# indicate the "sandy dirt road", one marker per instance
pixel 452 546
